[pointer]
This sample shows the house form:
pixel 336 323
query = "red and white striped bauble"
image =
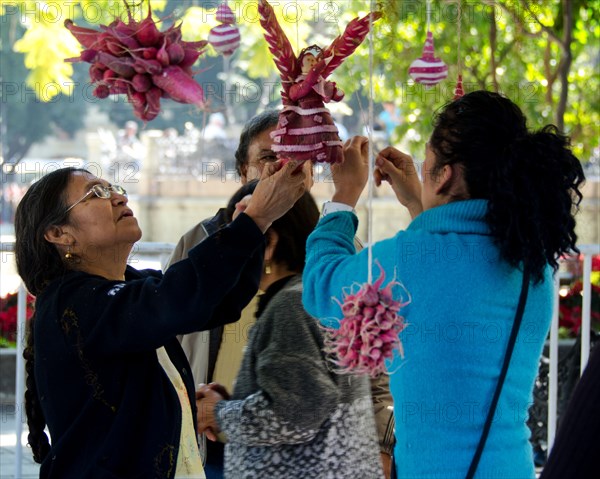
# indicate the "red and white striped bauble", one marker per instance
pixel 224 14
pixel 225 38
pixel 428 69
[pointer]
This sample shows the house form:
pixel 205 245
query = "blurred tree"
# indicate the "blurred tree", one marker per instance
pixel 544 55
pixel 25 118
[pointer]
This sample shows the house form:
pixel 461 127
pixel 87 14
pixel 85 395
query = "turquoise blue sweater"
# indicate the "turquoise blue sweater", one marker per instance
pixel 463 299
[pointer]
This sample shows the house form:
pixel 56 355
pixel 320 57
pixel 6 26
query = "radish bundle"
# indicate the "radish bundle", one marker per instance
pixel 138 60
pixel 368 333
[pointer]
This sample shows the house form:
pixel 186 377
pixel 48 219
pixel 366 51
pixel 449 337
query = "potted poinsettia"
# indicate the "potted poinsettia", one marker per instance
pixel 570 305
pixel 8 318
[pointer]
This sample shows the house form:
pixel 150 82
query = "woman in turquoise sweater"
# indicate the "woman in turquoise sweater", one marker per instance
pixel 496 200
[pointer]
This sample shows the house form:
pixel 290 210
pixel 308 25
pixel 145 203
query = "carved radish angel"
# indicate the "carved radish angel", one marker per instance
pixel 306 130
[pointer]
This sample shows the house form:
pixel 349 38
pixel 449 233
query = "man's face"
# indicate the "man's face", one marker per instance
pixel 259 153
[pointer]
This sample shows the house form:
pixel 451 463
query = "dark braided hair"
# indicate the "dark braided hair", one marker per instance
pixel 37 438
pixel 38 263
pixel 531 179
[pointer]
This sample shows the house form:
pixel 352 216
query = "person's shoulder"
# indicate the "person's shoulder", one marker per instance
pixel 67 288
pixel 195 233
pixel 289 297
pixel 205 227
pixel 132 274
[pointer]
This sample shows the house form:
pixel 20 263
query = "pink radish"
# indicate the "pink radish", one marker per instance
pixel 141 83
pixel 122 66
pixel 101 91
pixel 176 53
pixel 180 86
pixel 147 33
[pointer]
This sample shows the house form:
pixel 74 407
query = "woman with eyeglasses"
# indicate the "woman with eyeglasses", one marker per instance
pixel 105 372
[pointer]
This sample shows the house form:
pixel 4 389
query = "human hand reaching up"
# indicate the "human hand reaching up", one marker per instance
pixel 351 176
pixel 398 169
pixel 280 186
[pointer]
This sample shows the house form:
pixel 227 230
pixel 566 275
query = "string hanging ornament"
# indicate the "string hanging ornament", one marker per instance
pixel 369 331
pixel 225 38
pixel 135 59
pixel 428 70
pixel 306 130
pixel 458 90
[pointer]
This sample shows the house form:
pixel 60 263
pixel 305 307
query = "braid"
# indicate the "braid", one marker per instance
pixel 37 438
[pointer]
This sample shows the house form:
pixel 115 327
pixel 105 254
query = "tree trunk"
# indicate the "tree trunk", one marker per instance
pixel 565 66
pixel 493 47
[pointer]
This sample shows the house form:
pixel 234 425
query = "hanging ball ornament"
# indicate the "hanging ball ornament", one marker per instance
pixel 225 38
pixel 458 91
pixel 428 69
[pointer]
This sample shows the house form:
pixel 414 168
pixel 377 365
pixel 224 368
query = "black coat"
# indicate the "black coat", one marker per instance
pixel 111 410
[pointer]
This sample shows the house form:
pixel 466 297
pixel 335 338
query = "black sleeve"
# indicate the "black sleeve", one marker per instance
pixel 209 288
pixel 575 451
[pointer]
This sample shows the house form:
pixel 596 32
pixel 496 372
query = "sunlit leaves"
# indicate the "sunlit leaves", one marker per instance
pixel 49 74
pixel 523 64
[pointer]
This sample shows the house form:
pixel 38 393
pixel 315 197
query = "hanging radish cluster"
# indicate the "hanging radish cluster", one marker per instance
pixel 368 332
pixel 138 60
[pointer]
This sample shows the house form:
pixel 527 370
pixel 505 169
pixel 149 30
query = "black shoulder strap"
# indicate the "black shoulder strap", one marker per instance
pixel 509 350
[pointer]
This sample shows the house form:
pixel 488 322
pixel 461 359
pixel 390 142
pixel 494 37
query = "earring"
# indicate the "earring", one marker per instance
pixel 68 255
pixel 267 267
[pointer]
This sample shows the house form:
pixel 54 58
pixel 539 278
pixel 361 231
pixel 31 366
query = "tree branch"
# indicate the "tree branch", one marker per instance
pixel 493 45
pixel 551 33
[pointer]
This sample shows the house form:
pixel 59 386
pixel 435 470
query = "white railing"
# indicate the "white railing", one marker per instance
pixel 161 251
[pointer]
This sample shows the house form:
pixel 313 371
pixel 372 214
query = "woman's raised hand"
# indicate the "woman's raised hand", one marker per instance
pixel 398 169
pixel 281 185
pixel 351 176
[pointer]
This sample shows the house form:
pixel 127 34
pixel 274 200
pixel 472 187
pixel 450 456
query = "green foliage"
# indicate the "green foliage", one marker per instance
pixel 515 47
pixel 27 119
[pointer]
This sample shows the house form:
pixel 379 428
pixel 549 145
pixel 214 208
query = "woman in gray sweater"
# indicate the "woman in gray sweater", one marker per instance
pixel 290 416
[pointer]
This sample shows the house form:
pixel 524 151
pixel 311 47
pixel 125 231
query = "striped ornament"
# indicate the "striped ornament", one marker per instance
pixel 224 14
pixel 428 69
pixel 459 91
pixel 225 38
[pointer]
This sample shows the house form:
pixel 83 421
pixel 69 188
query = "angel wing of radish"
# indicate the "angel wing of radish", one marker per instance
pixel 345 44
pixel 279 45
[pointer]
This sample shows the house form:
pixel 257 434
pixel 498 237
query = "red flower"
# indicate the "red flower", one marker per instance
pixel 570 308
pixel 8 315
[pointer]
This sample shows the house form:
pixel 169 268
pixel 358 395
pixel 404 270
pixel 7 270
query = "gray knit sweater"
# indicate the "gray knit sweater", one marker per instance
pixel 290 416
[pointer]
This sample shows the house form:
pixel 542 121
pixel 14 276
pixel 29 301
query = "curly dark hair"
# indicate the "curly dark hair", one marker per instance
pixel 531 179
pixel 38 263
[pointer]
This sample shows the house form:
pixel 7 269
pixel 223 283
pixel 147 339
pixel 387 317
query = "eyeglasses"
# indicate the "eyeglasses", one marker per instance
pixel 101 191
